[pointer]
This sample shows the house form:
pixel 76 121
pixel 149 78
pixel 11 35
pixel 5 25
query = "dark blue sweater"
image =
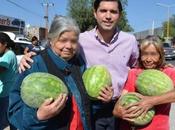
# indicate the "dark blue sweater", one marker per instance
pixel 24 117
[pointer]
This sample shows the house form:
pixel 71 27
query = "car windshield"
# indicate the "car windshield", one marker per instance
pixel 166 45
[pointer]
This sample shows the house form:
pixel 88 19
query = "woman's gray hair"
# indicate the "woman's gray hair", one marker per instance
pixel 61 24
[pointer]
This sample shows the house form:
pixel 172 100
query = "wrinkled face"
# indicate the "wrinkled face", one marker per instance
pixel 150 57
pixel 107 15
pixel 66 45
pixel 2 48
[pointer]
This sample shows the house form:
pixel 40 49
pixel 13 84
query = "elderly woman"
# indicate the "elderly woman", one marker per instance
pixel 151 57
pixel 70 112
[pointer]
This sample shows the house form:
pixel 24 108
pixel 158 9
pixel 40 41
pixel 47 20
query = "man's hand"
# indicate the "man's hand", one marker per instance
pixel 24 63
pixel 106 94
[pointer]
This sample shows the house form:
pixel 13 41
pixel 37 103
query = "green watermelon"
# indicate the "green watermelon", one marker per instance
pixel 95 78
pixel 153 82
pixel 131 98
pixel 39 86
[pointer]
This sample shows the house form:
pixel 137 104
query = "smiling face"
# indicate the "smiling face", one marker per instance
pixel 66 45
pixel 107 15
pixel 150 57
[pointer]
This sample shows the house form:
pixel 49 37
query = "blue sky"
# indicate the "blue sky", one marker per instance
pixel 140 13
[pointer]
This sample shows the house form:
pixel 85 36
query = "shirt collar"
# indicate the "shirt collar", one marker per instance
pixel 113 40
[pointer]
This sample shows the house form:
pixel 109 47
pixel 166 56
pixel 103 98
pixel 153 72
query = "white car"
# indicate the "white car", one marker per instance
pixel 21 43
pixel 20 47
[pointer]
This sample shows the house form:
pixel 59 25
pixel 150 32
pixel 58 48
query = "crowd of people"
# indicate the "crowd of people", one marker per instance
pixel 68 49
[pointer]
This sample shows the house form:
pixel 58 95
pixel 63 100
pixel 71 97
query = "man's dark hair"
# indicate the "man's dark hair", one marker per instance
pixel 97 3
pixel 34 38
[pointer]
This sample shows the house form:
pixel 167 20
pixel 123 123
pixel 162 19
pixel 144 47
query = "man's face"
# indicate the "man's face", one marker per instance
pixel 107 15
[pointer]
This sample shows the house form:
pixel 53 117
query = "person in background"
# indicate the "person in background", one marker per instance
pixel 106 45
pixel 34 46
pixel 151 57
pixel 8 71
pixel 67 112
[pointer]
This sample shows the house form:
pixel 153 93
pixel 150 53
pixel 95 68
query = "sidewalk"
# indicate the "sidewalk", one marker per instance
pixel 172 117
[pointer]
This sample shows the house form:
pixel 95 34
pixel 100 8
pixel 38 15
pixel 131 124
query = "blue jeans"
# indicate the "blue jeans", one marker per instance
pixel 103 118
pixel 4 102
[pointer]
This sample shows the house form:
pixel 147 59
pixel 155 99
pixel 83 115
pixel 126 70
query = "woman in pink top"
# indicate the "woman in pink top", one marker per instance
pixel 151 57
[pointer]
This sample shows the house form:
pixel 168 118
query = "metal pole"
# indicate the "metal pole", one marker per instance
pixel 152 32
pixel 168 22
pixel 168 18
pixel 46 17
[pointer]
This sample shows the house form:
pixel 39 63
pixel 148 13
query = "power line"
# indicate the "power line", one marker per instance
pixel 54 7
pixel 27 10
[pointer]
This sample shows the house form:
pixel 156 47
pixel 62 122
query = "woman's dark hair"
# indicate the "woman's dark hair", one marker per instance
pixel 5 39
pixel 97 3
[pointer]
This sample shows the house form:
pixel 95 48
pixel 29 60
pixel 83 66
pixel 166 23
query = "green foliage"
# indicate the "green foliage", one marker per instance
pixel 82 12
pixel 171 27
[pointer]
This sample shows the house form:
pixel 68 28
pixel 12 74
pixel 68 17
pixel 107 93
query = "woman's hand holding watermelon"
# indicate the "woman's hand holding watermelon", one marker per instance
pixel 106 94
pixel 123 112
pixel 51 107
pixel 143 106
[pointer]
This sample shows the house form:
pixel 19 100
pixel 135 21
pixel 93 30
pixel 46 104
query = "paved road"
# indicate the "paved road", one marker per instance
pixel 172 117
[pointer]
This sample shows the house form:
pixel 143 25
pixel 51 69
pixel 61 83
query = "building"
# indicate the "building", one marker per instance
pixel 39 32
pixel 11 24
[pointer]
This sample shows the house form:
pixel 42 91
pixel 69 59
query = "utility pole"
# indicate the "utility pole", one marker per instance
pixel 168 18
pixel 152 28
pixel 46 17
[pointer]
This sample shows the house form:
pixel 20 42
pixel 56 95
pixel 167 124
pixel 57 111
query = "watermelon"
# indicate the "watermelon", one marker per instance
pixel 131 98
pixel 153 82
pixel 39 86
pixel 95 78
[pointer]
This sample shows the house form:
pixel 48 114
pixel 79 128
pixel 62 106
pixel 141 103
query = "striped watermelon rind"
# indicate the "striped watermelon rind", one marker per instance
pixel 131 98
pixel 95 78
pixel 153 82
pixel 39 86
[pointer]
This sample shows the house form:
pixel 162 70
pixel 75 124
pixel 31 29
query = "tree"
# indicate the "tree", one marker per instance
pixel 171 27
pixel 82 12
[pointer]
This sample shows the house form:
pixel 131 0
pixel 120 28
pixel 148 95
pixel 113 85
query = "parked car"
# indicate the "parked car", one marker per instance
pixel 21 43
pixel 169 51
